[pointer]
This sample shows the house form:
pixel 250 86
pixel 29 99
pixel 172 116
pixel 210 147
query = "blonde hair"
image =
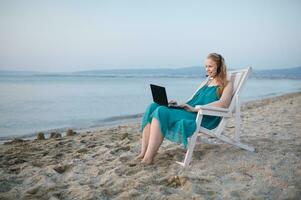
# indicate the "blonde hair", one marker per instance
pixel 221 75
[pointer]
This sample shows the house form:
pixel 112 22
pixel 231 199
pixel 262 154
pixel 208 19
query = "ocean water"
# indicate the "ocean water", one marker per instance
pixel 29 104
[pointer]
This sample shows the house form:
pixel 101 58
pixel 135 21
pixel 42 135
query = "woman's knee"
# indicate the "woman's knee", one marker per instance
pixel 150 109
pixel 147 127
pixel 153 106
pixel 162 109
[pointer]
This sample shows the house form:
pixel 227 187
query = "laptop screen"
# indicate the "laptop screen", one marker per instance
pixel 159 95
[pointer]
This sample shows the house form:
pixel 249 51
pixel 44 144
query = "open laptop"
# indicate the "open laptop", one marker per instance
pixel 160 97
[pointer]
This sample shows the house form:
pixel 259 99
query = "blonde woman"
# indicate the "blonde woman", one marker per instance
pixel 159 122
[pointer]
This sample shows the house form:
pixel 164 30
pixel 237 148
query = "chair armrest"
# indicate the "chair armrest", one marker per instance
pixel 212 108
pixel 213 111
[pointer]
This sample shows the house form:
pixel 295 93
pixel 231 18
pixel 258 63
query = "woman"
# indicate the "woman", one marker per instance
pixel 177 125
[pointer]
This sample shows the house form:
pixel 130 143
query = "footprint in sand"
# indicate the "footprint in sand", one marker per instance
pixel 62 168
pixel 124 159
pixel 120 149
pixel 126 171
pixel 82 150
pixel 130 160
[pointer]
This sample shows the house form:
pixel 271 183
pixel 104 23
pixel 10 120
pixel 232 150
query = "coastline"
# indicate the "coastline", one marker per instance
pixel 99 164
pixel 114 121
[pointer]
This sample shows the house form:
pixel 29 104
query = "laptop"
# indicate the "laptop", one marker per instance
pixel 160 97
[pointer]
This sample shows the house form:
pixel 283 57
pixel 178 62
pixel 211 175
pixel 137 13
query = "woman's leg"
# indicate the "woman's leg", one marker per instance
pixel 144 140
pixel 155 140
pixel 146 130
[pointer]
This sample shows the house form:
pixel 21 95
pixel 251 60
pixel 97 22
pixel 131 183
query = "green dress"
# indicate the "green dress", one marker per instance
pixel 178 124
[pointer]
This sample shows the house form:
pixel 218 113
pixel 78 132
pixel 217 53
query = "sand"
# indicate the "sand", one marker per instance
pixel 100 164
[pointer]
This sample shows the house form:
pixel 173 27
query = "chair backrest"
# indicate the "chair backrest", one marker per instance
pixel 238 78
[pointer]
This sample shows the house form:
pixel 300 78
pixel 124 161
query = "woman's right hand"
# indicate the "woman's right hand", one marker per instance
pixel 173 102
pixel 188 107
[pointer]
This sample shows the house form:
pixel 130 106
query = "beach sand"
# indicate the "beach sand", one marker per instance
pixel 100 164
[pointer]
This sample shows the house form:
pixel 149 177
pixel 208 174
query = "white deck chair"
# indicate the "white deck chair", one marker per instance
pixel 238 79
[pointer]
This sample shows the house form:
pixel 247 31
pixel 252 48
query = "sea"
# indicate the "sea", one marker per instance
pixel 33 103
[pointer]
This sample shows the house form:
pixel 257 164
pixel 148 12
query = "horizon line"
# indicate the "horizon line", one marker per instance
pixel 16 70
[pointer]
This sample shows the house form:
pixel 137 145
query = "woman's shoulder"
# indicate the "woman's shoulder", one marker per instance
pixel 229 86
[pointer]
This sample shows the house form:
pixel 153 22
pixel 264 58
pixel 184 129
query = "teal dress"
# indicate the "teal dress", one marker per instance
pixel 178 124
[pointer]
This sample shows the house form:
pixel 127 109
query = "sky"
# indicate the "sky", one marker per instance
pixel 63 36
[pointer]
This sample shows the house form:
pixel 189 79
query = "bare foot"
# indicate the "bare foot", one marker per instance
pixel 140 156
pixel 147 161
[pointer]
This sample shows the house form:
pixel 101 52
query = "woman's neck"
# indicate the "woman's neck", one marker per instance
pixel 212 81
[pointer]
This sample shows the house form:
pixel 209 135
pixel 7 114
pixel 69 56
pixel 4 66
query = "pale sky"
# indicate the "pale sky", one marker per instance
pixel 106 34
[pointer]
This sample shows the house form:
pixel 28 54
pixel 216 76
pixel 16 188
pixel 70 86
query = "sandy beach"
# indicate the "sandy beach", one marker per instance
pixel 100 164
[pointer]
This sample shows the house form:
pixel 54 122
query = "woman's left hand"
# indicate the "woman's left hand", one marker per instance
pixel 188 108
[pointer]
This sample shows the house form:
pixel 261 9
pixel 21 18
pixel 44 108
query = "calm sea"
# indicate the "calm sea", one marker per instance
pixel 29 104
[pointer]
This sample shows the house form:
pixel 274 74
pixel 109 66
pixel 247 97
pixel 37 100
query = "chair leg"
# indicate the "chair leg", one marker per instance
pixel 237 120
pixel 191 145
pixel 236 143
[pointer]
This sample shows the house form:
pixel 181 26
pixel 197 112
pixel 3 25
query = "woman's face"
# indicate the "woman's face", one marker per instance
pixel 210 67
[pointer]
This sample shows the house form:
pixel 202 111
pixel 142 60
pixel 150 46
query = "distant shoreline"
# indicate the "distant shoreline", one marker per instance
pixel 190 71
pixel 259 77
